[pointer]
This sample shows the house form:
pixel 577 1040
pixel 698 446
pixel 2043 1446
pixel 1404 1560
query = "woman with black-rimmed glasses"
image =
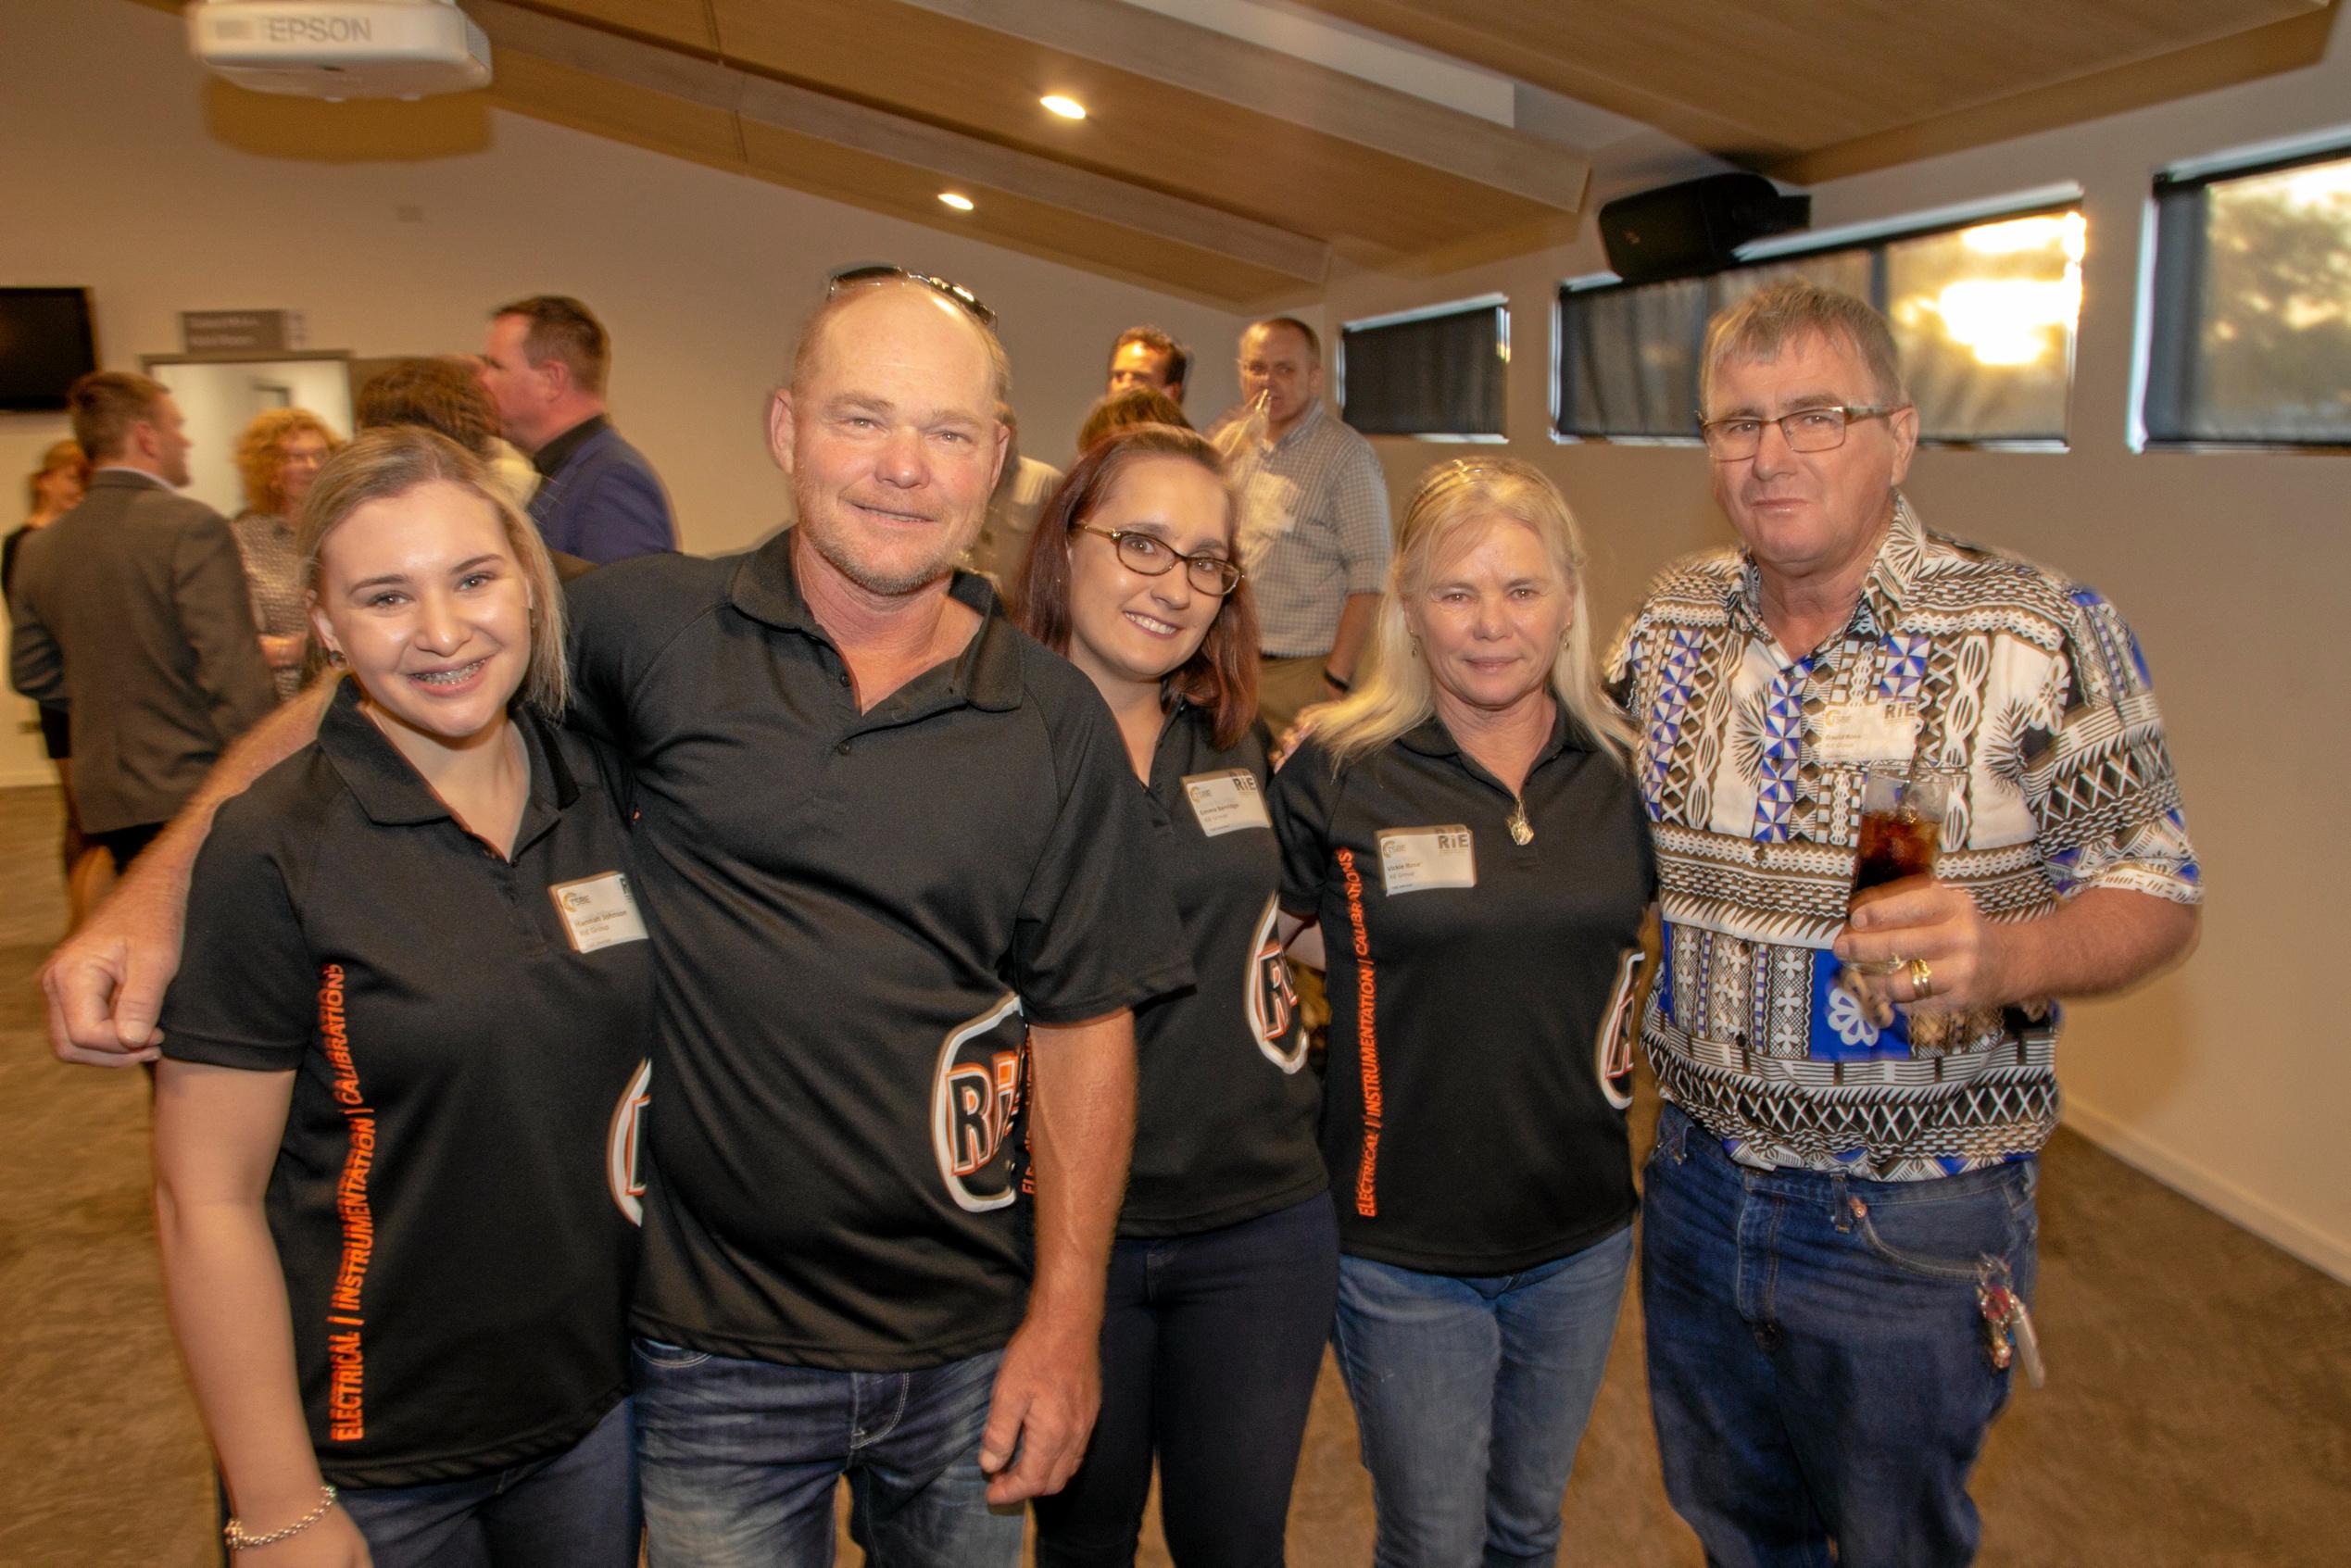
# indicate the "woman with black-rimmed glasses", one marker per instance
pixel 1226 1268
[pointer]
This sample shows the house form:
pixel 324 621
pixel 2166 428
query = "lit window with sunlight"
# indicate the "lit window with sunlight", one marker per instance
pixel 1984 313
pixel 2249 327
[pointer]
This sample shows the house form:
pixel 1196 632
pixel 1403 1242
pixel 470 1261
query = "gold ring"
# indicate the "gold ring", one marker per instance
pixel 1922 980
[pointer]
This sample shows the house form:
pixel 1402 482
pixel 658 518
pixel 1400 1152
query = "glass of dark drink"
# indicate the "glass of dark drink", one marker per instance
pixel 1901 830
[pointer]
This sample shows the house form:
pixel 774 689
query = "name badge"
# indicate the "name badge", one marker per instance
pixel 1226 802
pixel 1413 859
pixel 598 911
pixel 1868 731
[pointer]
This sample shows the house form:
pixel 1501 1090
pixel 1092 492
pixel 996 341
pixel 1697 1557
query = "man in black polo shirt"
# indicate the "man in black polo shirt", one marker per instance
pixel 885 838
pixel 893 861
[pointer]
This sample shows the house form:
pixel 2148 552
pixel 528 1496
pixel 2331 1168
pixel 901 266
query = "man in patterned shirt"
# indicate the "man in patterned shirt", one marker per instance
pixel 1315 534
pixel 1839 1209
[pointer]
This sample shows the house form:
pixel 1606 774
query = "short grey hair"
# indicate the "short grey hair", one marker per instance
pixel 1757 326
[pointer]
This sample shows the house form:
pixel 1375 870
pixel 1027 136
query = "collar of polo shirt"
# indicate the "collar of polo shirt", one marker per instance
pixel 1431 738
pixel 390 791
pixel 987 672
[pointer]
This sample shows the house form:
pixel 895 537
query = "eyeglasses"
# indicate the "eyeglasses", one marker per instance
pixel 1807 430
pixel 1154 557
pixel 955 292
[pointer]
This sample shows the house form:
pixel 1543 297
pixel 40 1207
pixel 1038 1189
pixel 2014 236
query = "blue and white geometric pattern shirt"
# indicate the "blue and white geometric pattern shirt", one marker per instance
pixel 2032 703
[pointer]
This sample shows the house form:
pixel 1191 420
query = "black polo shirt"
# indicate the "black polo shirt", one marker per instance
pixel 1224 1119
pixel 852 916
pixel 451 1203
pixel 1466 1126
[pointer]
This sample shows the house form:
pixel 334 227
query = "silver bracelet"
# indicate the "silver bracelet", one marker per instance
pixel 239 1541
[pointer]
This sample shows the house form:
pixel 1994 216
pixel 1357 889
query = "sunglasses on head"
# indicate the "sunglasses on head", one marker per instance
pixel 852 276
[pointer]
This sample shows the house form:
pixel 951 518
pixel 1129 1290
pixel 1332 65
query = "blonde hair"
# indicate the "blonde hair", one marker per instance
pixel 257 459
pixel 1394 693
pixel 379 465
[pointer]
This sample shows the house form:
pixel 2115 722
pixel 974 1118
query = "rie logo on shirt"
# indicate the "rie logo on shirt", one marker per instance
pixel 975 1106
pixel 1272 996
pixel 623 1145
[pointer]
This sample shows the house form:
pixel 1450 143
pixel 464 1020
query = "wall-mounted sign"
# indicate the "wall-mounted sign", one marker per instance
pixel 242 331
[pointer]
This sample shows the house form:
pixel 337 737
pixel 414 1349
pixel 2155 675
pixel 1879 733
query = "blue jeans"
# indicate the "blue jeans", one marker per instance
pixel 1470 1396
pixel 1817 1366
pixel 1211 1345
pixel 740 1460
pixel 575 1508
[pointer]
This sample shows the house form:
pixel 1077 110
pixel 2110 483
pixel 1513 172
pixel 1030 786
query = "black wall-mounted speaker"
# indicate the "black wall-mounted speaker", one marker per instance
pixel 1682 231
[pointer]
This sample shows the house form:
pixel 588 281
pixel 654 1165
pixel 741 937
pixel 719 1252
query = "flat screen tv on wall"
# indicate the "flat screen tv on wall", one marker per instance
pixel 46 345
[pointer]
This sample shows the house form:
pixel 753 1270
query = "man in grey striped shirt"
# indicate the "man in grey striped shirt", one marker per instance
pixel 1314 535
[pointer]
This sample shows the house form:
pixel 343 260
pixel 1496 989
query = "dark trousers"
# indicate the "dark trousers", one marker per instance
pixel 1211 1346
pixel 126 844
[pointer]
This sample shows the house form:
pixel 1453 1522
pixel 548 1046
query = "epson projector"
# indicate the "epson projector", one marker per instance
pixel 337 49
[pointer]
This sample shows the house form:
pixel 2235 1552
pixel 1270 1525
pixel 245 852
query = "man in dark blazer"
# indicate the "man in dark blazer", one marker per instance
pixel 597 497
pixel 131 610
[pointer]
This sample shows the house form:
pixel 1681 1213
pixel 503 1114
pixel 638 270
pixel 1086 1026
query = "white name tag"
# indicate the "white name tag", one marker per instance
pixel 1226 802
pixel 1868 731
pixel 598 911
pixel 1412 859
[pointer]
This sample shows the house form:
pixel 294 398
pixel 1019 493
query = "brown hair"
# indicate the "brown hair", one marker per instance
pixel 61 455
pixel 104 404
pixel 442 395
pixel 1759 324
pixel 1221 676
pixel 562 329
pixel 382 464
pixel 1179 357
pixel 258 453
pixel 1121 410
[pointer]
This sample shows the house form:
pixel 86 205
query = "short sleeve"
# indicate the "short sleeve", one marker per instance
pixel 1300 804
pixel 247 993
pixel 2109 815
pixel 1098 929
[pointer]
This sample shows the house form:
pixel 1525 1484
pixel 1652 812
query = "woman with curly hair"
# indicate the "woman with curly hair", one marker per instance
pixel 278 455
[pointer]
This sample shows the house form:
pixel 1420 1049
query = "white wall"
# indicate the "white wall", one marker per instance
pixel 126 172
pixel 2229 1079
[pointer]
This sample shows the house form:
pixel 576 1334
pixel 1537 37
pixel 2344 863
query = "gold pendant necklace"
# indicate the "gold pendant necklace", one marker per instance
pixel 1522 832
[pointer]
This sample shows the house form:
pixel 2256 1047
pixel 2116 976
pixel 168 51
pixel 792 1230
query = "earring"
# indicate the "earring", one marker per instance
pixel 334 658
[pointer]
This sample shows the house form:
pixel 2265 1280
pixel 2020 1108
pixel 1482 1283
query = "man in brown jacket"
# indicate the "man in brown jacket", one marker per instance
pixel 131 610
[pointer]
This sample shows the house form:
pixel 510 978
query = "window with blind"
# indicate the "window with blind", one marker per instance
pixel 1438 374
pixel 2249 319
pixel 1983 312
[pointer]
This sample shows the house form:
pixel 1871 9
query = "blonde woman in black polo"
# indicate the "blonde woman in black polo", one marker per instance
pixel 1466 831
pixel 1221 1279
pixel 395 1120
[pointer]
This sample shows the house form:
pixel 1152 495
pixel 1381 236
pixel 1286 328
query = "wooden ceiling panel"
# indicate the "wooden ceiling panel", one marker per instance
pixel 866 180
pixel 672 22
pixel 1772 82
pixel 919 63
pixel 589 101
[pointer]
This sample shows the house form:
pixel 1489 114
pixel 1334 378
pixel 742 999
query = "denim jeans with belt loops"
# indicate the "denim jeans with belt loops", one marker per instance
pixel 1818 1368
pixel 740 1461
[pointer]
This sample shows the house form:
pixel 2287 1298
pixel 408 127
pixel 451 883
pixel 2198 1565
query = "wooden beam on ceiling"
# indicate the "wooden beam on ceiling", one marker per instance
pixel 1314 97
pixel 782 131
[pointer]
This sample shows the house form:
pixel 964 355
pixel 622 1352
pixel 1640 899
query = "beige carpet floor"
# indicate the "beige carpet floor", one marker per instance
pixel 2198 1412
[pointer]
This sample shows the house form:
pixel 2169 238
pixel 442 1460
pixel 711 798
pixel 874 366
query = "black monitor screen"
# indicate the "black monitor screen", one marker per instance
pixel 45 345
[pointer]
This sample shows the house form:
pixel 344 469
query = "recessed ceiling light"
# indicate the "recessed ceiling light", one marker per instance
pixel 1067 107
pixel 959 202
